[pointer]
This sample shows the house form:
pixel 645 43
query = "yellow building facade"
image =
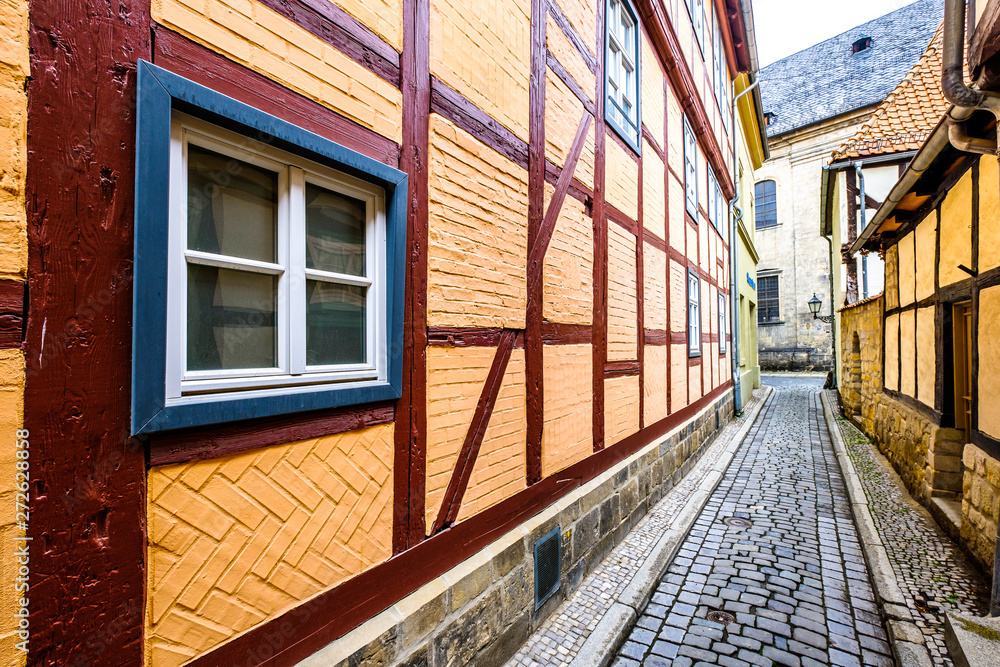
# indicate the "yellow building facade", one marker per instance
pixel 413 287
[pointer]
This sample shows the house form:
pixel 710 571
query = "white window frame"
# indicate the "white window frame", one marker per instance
pixel 622 70
pixel 720 70
pixel 694 313
pixel 690 171
pixel 722 323
pixel 292 372
pixel 713 200
pixel 696 9
pixel 717 206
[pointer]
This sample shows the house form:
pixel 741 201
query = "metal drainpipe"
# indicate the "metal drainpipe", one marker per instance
pixel 961 95
pixel 864 214
pixel 734 263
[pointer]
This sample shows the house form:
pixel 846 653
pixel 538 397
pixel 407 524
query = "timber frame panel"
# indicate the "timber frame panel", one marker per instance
pixel 97 488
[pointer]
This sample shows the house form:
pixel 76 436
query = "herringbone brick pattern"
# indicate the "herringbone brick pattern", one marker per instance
pixel 235 541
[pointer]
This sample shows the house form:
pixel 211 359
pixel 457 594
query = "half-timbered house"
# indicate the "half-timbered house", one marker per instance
pixel 357 328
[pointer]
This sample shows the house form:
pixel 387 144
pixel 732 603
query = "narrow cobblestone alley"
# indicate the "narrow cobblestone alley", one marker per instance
pixel 776 549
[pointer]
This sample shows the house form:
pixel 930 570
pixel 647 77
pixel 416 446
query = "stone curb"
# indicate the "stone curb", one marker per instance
pixel 906 638
pixel 602 645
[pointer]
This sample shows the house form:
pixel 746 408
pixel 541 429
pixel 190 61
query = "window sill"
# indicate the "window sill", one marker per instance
pixel 770 324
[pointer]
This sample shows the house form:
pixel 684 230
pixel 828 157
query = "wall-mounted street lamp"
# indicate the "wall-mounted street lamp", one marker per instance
pixel 814 305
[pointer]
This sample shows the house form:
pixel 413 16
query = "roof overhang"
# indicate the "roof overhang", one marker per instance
pixel 928 176
pixel 740 41
pixel 829 181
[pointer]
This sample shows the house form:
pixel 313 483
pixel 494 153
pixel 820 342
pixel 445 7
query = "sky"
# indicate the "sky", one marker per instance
pixel 784 27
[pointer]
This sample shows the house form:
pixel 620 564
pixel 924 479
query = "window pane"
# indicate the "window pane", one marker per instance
pixel 766 202
pixel 768 299
pixel 231 319
pixel 335 231
pixel 336 328
pixel 232 206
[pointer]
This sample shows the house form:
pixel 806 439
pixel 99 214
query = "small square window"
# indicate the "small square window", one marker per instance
pixel 280 264
pixel 268 274
pixel 694 314
pixel 621 85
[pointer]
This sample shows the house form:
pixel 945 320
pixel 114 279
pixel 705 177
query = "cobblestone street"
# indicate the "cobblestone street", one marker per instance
pixel 933 573
pixel 776 549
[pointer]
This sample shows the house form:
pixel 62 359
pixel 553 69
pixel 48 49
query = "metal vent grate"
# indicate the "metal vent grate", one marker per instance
pixel 548 559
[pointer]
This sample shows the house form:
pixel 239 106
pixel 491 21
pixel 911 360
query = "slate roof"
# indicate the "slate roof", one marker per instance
pixel 908 115
pixel 827 80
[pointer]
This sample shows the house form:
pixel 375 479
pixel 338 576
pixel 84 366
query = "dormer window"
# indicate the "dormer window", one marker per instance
pixel 861 45
pixel 769 118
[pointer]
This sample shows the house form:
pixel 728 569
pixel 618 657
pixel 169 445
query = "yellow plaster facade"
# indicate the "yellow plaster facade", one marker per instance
pixel 568 274
pixel 482 50
pixel 655 384
pixel 622 179
pixel 478 233
pixel 925 247
pixel 622 300
pixel 11 419
pixel 500 468
pixel 568 436
pixel 13 137
pixel 238 540
pixel 621 408
pixel 956 232
pixel 255 36
pixel 654 268
pixel 989 358
pixel 989 215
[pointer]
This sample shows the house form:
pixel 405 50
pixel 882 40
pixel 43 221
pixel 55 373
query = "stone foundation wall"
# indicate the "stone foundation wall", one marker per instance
pixel 795 359
pixel 904 436
pixel 926 456
pixel 483 610
pixel 980 504
pixel 861 361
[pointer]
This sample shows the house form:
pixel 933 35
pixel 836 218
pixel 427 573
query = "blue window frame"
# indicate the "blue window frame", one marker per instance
pixel 320 183
pixel 622 88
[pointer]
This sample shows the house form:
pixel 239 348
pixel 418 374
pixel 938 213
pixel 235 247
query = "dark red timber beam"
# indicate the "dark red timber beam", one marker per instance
pixel 343 32
pixel 300 632
pixel 534 365
pixel 599 344
pixel 12 316
pixel 640 299
pixel 538 246
pixel 88 489
pixel 202 443
pixel 467 456
pixel 410 435
pixel 665 155
pixel 556 333
pixel 556 12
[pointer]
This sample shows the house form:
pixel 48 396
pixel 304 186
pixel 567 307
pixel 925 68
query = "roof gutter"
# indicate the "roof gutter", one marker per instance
pixel 747 7
pixel 952 130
